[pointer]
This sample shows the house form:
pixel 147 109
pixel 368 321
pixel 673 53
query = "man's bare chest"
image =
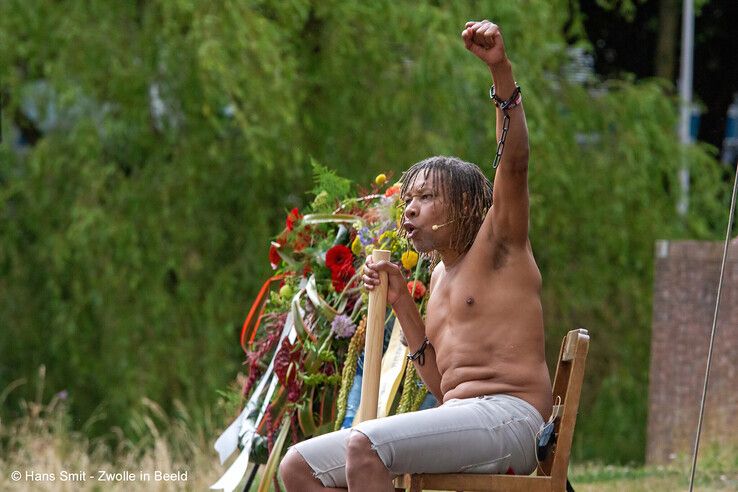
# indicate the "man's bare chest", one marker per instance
pixel 481 295
pixel 456 301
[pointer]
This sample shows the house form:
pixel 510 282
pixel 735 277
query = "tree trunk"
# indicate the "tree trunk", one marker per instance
pixel 666 44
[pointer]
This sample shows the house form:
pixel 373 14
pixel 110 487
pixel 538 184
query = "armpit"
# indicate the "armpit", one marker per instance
pixel 500 254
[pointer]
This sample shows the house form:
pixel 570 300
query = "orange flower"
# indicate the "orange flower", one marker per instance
pixel 416 289
pixel 395 188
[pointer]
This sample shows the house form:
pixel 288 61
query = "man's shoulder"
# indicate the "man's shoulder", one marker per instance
pixel 438 271
pixel 436 274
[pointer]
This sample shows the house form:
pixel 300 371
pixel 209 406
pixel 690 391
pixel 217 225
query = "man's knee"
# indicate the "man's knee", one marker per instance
pixel 293 467
pixel 360 454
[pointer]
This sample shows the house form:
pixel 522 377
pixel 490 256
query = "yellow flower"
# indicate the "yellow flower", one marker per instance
pixel 387 240
pixel 387 236
pixel 380 179
pixel 356 246
pixel 409 259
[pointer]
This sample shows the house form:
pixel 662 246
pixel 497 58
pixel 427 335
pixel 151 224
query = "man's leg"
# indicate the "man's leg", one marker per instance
pixel 316 464
pixel 329 461
pixel 477 435
pixel 365 471
pixel 298 476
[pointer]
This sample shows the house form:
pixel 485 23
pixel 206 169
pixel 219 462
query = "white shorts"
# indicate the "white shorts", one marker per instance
pixel 486 434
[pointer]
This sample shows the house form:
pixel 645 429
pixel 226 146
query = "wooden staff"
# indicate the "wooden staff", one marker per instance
pixel 373 345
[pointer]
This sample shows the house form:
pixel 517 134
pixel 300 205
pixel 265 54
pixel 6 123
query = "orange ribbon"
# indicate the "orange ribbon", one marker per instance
pixel 259 305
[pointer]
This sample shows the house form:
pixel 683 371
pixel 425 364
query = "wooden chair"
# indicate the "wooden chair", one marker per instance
pixel 551 473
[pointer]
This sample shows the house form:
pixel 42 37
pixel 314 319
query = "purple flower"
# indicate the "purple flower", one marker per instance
pixel 342 326
pixel 365 236
pixel 387 226
pixel 62 395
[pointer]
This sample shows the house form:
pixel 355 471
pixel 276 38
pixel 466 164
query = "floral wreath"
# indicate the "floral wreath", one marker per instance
pixel 304 339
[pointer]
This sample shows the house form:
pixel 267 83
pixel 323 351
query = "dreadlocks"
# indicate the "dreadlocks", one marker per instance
pixel 466 191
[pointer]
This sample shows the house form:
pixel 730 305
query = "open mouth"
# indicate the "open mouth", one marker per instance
pixel 410 229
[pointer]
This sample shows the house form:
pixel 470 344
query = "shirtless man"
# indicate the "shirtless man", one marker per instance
pixel 484 355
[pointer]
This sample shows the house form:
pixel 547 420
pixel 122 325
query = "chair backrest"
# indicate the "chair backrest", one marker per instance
pixel 567 387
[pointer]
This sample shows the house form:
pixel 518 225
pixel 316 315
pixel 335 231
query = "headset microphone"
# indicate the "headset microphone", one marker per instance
pixel 435 227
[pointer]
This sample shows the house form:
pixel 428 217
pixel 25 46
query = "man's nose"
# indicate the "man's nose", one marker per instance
pixel 411 210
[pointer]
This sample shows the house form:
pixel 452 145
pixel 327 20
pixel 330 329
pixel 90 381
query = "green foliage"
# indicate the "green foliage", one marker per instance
pixel 328 186
pixel 135 232
pixel 626 8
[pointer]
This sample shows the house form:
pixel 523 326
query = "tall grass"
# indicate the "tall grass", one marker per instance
pixel 41 441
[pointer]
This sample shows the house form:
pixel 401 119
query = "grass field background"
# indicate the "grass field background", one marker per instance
pixel 41 442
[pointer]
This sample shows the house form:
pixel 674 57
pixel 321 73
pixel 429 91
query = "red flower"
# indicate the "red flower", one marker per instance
pixel 338 258
pixel 274 258
pixel 419 289
pixel 302 241
pixel 293 217
pixel 286 364
pixel 338 283
pixel 340 276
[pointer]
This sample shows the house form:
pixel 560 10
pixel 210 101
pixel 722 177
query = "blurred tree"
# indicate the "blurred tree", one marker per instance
pixel 655 28
pixel 667 38
pixel 173 136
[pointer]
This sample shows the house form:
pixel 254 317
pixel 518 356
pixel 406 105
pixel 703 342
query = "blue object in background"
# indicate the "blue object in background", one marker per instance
pixel 730 142
pixel 429 402
pixel 354 398
pixel 694 123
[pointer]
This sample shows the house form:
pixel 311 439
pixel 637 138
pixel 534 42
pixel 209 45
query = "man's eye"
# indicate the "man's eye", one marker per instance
pixel 427 196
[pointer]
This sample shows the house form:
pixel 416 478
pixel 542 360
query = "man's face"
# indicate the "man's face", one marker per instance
pixel 424 208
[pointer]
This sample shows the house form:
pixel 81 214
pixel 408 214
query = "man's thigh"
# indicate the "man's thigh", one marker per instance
pixel 326 455
pixel 476 435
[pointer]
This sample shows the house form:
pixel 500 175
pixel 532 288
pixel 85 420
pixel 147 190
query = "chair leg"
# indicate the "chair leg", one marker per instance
pixel 416 484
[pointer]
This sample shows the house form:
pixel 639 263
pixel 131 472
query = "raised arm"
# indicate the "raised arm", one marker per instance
pixel 507 220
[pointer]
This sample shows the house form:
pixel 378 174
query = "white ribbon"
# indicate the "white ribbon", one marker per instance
pixel 242 429
pixel 233 476
pixel 392 372
pixel 227 443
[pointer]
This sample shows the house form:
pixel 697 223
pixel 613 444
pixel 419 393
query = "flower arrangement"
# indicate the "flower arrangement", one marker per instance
pixel 304 340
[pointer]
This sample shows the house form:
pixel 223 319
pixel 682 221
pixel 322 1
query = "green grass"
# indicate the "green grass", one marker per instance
pixel 41 441
pixel 717 469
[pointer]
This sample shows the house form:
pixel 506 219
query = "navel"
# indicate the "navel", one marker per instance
pixel 469 301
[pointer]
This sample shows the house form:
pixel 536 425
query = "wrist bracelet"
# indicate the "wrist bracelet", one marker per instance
pixel 514 100
pixel 419 355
